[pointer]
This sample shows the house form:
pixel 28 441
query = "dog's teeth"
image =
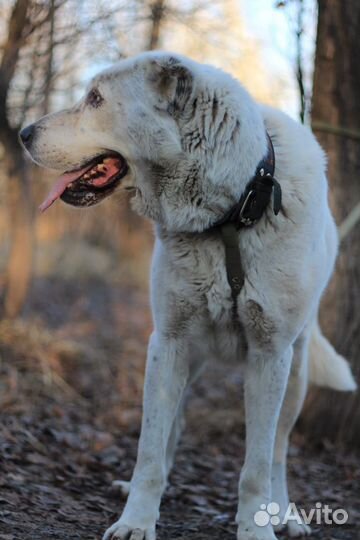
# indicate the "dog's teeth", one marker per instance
pixel 101 167
pixel 107 160
pixel 86 176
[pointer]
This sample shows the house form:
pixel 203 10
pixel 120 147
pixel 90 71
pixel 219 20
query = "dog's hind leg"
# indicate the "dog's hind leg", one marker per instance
pixel 293 401
pixel 176 431
pixel 267 372
pixel 174 437
pixel 123 486
pixel 196 364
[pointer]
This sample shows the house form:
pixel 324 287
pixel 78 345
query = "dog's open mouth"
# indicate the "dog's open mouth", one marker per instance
pixel 90 184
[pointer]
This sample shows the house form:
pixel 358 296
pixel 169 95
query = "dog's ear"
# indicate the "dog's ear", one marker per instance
pixel 173 81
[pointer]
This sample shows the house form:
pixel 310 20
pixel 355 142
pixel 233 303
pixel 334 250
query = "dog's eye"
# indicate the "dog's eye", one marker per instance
pixel 94 98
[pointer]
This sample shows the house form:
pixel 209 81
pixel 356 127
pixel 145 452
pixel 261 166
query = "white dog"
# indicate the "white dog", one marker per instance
pixel 188 139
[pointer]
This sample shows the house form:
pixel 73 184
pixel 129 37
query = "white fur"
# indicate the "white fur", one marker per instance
pixel 192 137
pixel 327 367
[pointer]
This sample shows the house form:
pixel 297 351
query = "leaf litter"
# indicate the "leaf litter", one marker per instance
pixel 71 375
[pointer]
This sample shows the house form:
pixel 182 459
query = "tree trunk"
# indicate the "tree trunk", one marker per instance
pixel 157 16
pixel 19 265
pixel 18 271
pixel 336 103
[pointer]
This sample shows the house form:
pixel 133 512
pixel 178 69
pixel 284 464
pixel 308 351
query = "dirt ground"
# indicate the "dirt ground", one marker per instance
pixel 70 402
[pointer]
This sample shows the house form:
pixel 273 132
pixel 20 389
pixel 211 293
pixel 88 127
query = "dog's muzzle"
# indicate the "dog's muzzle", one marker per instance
pixel 88 183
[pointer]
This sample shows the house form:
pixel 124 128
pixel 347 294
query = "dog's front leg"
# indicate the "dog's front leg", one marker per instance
pixel 265 384
pixel 165 381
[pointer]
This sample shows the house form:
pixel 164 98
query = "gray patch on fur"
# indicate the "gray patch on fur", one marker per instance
pixel 181 314
pixel 258 323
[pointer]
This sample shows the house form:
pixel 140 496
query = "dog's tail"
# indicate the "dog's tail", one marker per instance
pixel 326 366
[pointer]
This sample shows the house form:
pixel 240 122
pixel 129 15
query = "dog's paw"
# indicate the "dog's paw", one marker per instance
pixel 294 529
pixel 252 532
pixel 122 531
pixel 298 529
pixel 121 486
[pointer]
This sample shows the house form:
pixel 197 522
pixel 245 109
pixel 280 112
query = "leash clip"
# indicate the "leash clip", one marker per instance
pixel 244 220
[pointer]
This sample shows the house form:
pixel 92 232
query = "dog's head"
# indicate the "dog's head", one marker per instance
pixel 185 136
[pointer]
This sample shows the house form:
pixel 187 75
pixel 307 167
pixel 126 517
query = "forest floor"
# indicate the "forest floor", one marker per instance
pixel 71 375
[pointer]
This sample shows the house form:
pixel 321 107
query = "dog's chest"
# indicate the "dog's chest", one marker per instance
pixel 199 282
pixel 227 341
pixel 199 265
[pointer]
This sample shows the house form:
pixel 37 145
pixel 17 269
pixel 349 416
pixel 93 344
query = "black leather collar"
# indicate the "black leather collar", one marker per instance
pixel 256 197
pixel 245 213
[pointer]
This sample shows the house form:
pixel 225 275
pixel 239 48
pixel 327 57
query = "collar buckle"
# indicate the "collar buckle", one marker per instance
pixel 246 221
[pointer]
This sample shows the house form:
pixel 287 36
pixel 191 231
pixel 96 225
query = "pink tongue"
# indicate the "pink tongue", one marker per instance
pixel 112 166
pixel 60 185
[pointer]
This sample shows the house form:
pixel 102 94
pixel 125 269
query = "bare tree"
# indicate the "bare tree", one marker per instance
pixel 19 196
pixel 27 81
pixel 48 79
pixel 336 121
pixel 300 15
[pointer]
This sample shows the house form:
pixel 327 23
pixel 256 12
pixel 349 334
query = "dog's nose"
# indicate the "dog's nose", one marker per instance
pixel 27 135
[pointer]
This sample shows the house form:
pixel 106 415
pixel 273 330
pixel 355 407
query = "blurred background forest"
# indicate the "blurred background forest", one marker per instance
pixel 73 284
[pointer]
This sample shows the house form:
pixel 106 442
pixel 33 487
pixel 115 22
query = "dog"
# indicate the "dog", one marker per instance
pixel 187 139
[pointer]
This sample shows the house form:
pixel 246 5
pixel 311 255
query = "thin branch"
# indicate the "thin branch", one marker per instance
pixel 158 9
pixel 342 131
pixel 49 64
pixel 29 88
pixel 299 62
pixel 349 222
